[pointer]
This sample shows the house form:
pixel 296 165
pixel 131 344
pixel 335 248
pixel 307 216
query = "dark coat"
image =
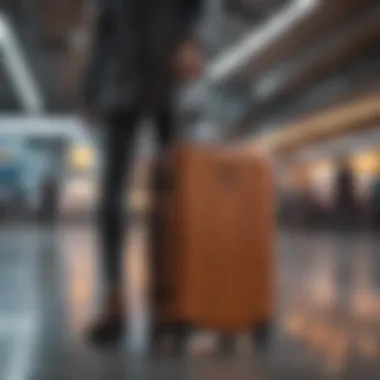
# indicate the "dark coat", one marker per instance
pixel 133 48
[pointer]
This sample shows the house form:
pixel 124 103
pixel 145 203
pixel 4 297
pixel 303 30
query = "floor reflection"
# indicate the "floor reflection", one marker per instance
pixel 327 325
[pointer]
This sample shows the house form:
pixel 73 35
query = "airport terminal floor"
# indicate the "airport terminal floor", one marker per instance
pixel 327 324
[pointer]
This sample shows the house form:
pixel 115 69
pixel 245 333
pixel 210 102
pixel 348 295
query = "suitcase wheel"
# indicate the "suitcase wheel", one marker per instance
pixel 226 345
pixel 262 333
pixel 181 332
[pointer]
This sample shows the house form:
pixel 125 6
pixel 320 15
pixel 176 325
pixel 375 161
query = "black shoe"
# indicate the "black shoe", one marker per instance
pixel 107 332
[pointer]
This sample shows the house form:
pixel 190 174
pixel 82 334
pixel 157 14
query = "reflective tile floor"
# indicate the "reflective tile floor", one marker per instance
pixel 327 324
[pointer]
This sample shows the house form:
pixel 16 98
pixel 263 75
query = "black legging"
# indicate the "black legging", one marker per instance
pixel 117 169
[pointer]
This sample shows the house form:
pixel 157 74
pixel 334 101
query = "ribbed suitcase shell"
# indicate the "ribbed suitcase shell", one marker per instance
pixel 217 240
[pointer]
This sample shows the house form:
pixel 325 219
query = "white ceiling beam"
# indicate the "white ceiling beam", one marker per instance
pixel 233 59
pixel 26 87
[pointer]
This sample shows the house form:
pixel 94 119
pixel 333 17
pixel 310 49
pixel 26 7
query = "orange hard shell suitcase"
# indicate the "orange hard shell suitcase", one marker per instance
pixel 215 262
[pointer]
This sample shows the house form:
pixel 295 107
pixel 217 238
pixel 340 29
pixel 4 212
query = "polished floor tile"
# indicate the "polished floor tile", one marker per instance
pixel 327 324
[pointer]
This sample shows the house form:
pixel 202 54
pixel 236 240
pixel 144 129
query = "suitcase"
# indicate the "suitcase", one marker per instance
pixel 214 241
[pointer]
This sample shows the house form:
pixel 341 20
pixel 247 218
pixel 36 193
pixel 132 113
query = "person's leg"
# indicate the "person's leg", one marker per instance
pixel 118 158
pixel 161 175
pixel 162 191
pixel 160 181
pixel 165 129
pixel 164 122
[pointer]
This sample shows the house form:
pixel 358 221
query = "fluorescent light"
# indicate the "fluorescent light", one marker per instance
pixel 230 61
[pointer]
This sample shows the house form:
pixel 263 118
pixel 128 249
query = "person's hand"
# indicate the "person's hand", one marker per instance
pixel 188 60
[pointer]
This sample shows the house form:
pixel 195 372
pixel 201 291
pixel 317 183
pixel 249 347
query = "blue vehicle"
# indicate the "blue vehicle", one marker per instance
pixel 10 174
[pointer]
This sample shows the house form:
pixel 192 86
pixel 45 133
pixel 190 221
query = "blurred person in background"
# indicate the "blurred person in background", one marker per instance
pixel 346 204
pixel 79 41
pixel 374 202
pixel 49 198
pixel 141 49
